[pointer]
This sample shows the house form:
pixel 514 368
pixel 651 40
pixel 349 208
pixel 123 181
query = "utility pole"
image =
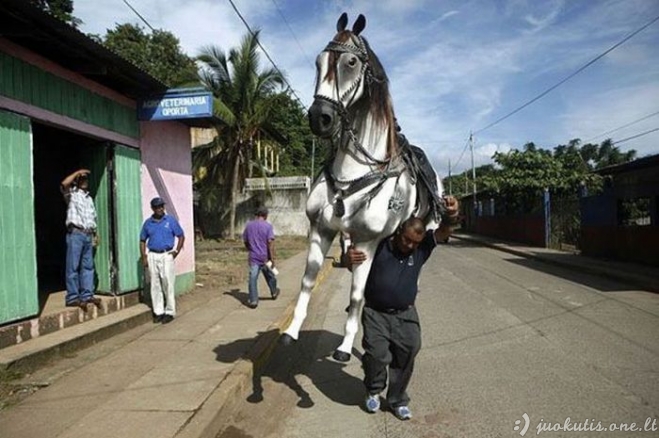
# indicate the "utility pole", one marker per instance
pixel 473 169
pixel 450 183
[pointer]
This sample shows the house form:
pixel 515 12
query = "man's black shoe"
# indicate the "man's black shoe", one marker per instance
pixel 157 319
pixel 275 294
pixel 167 319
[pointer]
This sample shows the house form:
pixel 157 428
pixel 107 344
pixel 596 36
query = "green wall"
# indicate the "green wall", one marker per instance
pixel 30 84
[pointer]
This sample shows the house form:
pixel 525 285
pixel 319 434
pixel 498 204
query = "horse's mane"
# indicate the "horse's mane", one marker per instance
pixel 380 106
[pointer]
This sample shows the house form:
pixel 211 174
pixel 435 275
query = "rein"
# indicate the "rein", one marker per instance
pixel 346 124
pixel 377 178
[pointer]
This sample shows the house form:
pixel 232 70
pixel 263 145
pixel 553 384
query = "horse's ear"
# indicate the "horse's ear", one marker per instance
pixel 359 25
pixel 342 22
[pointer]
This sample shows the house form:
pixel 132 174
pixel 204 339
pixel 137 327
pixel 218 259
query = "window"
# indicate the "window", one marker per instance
pixel 634 212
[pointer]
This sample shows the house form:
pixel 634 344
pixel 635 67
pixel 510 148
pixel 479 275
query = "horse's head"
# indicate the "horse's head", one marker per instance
pixel 348 71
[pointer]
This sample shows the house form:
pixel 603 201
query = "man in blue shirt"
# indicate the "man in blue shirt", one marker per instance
pixel 158 235
pixel 392 332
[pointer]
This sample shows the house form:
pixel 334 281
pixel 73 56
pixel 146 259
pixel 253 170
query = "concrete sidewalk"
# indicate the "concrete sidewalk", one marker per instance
pixel 170 382
pixel 641 276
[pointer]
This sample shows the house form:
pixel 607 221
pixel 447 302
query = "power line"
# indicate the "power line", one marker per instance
pixel 281 14
pixel 588 64
pixel 635 136
pixel 463 152
pixel 138 14
pixel 623 126
pixel 266 52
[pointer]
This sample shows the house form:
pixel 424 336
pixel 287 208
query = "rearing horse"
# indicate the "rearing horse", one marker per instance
pixel 367 190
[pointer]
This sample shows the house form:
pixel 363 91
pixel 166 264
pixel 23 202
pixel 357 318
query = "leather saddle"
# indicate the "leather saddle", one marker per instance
pixel 417 163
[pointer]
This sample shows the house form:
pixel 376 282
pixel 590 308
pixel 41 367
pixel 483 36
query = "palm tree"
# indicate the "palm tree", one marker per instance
pixel 243 97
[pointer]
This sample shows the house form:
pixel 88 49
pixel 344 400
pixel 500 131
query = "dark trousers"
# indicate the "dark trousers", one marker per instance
pixel 390 341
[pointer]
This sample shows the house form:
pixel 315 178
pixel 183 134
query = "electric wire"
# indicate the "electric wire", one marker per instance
pixel 635 136
pixel 582 68
pixel 281 14
pixel 138 14
pixel 463 152
pixel 623 126
pixel 266 53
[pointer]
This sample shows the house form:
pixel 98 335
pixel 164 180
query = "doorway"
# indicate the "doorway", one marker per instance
pixel 56 154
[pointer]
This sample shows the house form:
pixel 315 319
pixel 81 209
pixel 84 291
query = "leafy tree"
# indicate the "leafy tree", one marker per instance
pixel 244 96
pixel 461 184
pixel 609 155
pixel 290 117
pixel 62 9
pixel 159 53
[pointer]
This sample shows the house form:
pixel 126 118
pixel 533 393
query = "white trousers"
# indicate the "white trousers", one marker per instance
pixel 162 277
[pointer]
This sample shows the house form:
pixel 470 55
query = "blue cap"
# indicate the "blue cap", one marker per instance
pixel 156 202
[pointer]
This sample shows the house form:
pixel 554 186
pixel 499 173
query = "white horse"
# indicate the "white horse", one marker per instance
pixel 369 188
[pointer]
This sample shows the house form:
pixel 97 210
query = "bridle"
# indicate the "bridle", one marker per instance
pixel 383 172
pixel 366 73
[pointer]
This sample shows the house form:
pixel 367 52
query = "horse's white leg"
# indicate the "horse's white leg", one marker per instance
pixel 319 245
pixel 359 277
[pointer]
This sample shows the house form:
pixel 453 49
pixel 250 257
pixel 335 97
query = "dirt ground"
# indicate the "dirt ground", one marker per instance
pixel 219 263
pixel 224 262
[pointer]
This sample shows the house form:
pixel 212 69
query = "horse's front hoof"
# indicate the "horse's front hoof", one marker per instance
pixel 341 356
pixel 286 340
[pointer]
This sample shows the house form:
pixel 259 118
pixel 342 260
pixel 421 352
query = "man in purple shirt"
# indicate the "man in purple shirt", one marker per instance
pixel 259 239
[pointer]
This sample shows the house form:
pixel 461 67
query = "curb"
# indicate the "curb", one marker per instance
pixel 36 353
pixel 208 420
pixel 642 282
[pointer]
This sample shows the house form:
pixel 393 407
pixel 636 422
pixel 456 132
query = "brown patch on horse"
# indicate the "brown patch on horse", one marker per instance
pixel 378 91
pixel 333 57
pixel 380 100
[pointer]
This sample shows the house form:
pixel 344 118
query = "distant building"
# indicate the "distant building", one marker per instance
pixel 623 222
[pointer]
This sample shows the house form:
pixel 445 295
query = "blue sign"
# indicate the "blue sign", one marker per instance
pixel 176 106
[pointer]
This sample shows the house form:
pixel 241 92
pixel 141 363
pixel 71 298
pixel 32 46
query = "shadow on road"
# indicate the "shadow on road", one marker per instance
pixel 310 356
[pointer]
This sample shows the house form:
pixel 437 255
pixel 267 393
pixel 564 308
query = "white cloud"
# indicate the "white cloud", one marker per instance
pixel 454 66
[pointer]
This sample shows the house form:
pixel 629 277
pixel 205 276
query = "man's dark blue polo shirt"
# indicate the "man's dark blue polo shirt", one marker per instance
pixel 159 234
pixel 393 280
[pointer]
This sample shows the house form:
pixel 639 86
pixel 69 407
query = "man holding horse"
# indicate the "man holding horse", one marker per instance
pixel 392 333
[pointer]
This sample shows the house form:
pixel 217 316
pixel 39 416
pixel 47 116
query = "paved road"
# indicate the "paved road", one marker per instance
pixel 503 337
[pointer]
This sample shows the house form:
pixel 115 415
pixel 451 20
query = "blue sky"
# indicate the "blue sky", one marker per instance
pixel 454 66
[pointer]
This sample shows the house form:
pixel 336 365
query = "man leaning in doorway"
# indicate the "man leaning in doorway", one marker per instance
pixel 81 238
pixel 158 235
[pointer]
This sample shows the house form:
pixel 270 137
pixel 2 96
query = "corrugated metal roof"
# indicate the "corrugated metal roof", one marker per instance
pixel 640 163
pixel 30 27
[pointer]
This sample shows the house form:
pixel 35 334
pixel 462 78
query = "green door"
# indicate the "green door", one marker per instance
pixel 19 297
pixel 96 158
pixel 128 217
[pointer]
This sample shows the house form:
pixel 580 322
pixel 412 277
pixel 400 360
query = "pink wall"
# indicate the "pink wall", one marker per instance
pixel 167 172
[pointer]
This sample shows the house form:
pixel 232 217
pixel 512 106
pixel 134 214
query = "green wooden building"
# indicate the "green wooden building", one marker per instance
pixel 67 102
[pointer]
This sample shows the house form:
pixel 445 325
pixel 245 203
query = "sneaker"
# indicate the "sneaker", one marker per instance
pixel 275 294
pixel 373 403
pixel 403 413
pixel 252 305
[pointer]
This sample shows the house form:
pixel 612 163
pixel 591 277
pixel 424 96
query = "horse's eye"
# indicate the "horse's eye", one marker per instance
pixel 352 61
